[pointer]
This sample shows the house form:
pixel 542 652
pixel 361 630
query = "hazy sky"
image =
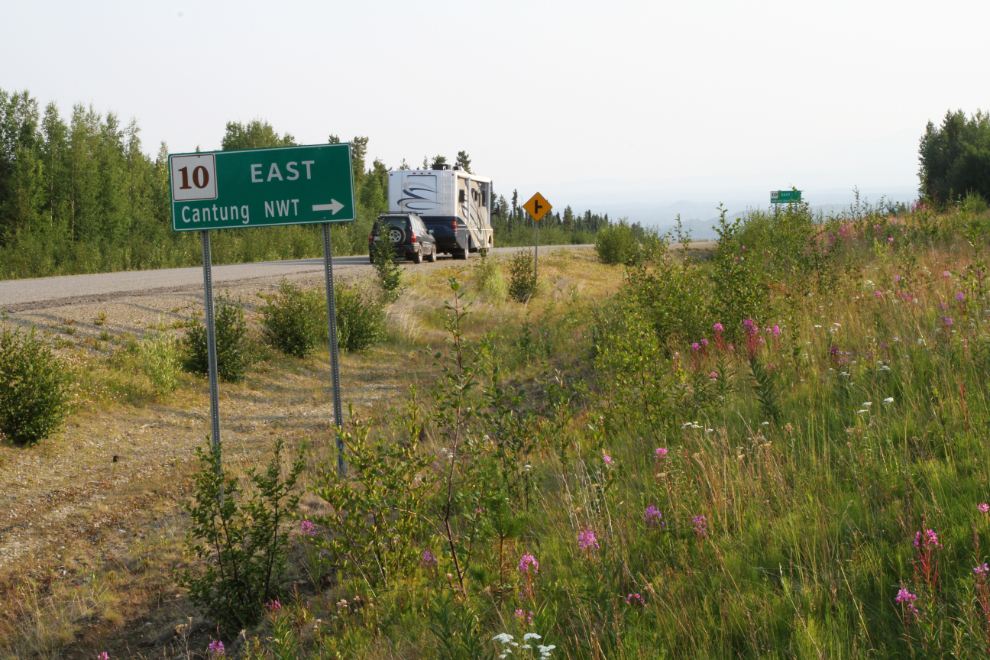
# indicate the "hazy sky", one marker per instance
pixel 661 98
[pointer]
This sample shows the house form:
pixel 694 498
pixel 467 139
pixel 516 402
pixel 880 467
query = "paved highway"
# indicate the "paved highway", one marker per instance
pixel 18 295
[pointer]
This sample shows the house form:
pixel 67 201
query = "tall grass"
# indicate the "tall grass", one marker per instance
pixel 714 488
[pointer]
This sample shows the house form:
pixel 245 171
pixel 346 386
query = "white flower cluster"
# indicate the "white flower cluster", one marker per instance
pixel 507 641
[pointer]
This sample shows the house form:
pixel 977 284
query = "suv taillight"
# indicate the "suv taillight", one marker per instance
pixel 413 239
pixel 371 237
pixel 455 225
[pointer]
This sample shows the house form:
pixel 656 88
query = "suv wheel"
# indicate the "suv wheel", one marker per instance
pixel 417 257
pixel 433 255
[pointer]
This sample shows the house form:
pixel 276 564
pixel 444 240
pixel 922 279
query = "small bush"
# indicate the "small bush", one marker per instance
pixel 360 319
pixel 34 388
pixel 242 539
pixel 161 362
pixel 615 244
pixel 233 352
pixel 295 320
pixel 974 204
pixel 383 258
pixel 488 279
pixel 522 279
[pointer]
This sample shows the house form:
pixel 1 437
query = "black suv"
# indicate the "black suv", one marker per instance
pixel 410 237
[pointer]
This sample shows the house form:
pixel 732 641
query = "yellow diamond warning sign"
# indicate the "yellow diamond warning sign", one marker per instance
pixel 537 207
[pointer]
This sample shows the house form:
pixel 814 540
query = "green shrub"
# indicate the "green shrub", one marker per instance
pixel 34 388
pixel 488 278
pixel 233 352
pixel 243 540
pixel 161 362
pixel 974 204
pixel 615 244
pixel 383 258
pixel 360 319
pixel 522 278
pixel 295 320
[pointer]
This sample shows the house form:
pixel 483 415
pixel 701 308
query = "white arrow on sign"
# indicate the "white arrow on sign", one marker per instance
pixel 333 206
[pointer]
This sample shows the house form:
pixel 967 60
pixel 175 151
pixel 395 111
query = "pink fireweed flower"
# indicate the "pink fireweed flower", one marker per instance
pixel 718 329
pixel 928 540
pixel 587 540
pixel 945 274
pixel 878 294
pixel 522 617
pixel 527 563
pixel 608 460
pixel 906 599
pixel 890 240
pixel 273 606
pixel 652 517
pixel 660 452
pixel 944 305
pixel 750 327
pixel 215 650
pixel 695 347
pixel 307 528
pixel 731 347
pixel 775 331
pixel 947 320
pixel 700 524
pixel 905 596
pixel 704 343
pixel 428 560
pixel 983 507
pixel 103 656
pixel 635 599
pixel 897 278
pixel 982 570
pixel 960 296
pixel 713 375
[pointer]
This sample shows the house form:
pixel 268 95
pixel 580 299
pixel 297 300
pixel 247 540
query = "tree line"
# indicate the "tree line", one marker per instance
pixel 955 158
pixel 78 194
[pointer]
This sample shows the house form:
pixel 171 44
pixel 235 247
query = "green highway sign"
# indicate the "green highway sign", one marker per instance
pixel 261 187
pixel 785 196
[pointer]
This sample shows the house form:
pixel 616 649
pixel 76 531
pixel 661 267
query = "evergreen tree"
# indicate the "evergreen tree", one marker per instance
pixel 438 161
pixel 955 158
pixel 359 149
pixel 568 220
pixel 464 161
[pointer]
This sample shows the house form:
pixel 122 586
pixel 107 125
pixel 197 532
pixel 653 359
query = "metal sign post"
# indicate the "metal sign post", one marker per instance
pixel 211 340
pixel 257 188
pixel 537 207
pixel 536 251
pixel 338 415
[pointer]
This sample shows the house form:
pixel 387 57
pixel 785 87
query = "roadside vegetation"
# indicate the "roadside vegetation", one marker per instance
pixel 774 452
pixel 774 449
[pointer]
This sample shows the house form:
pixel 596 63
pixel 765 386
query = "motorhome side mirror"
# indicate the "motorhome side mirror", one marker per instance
pixel 430 232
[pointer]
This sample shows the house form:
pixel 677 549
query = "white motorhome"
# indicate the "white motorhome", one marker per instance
pixel 455 205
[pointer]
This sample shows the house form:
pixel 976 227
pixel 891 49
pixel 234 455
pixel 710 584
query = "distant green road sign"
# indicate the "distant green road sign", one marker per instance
pixel 261 187
pixel 785 196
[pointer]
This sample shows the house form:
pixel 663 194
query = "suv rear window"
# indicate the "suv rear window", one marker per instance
pixel 401 223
